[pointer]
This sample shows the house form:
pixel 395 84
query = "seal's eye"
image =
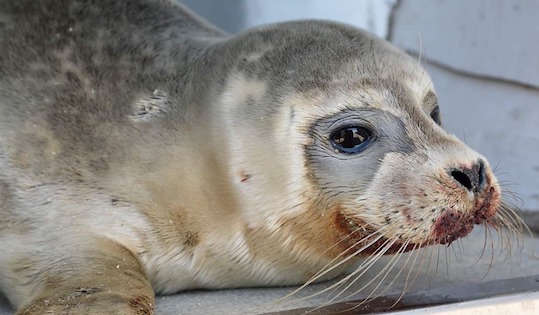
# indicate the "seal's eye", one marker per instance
pixel 351 140
pixel 435 115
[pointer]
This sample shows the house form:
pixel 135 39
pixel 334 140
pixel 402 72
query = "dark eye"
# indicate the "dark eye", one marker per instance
pixel 351 140
pixel 435 115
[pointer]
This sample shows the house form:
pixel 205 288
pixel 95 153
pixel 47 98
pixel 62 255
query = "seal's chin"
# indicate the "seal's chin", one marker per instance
pixel 356 238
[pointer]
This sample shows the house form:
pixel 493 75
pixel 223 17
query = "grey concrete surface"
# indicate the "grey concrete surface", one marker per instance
pixel 474 259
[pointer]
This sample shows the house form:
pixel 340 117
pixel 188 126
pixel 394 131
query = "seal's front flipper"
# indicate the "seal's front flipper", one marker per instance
pixel 103 277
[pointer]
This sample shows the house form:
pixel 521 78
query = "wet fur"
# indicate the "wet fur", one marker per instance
pixel 143 150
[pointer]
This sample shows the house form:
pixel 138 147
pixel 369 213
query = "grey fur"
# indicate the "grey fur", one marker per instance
pixel 78 75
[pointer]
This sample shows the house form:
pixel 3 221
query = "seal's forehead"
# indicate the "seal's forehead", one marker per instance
pixel 310 55
pixel 390 95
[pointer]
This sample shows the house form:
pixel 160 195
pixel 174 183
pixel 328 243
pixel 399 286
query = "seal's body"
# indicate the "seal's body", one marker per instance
pixel 142 150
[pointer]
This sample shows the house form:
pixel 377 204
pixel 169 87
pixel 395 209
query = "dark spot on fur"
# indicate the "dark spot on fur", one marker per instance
pixel 91 290
pixel 114 201
pixel 6 194
pixel 73 78
pixel 98 165
pixel 191 239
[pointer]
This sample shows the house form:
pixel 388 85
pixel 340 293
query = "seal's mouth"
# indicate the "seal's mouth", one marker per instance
pixel 452 225
pixel 357 238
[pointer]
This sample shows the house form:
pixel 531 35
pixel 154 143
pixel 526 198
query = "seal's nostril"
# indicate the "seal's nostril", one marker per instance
pixel 480 174
pixel 473 179
pixel 463 179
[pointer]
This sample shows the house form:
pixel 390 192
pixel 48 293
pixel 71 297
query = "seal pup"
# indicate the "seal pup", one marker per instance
pixel 142 151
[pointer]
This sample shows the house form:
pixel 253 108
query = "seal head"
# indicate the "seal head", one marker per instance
pixel 340 135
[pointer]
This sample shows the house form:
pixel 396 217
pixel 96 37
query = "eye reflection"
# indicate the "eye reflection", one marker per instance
pixel 351 140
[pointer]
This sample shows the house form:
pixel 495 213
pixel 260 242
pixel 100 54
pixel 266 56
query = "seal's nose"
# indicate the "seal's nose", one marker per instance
pixel 472 178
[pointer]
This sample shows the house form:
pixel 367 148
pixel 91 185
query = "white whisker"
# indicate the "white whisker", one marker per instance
pixel 327 270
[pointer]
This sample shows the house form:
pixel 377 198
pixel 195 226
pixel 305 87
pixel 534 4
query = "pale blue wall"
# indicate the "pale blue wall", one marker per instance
pixel 229 15
pixel 236 15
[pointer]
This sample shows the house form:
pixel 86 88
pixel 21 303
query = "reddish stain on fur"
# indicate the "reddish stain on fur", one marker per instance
pixel 353 238
pixel 407 215
pixel 245 176
pixel 450 226
pixel 486 206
